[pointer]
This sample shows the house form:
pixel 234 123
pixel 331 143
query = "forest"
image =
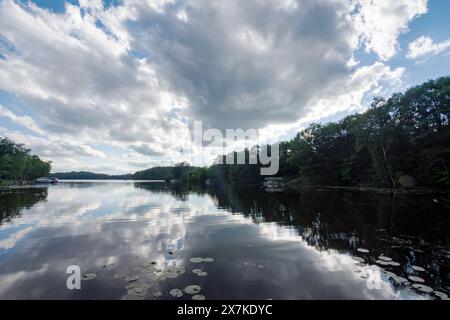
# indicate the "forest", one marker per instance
pixel 402 141
pixel 84 175
pixel 182 171
pixel 18 164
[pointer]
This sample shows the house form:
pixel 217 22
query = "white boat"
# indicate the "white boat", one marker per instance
pixel 46 180
pixel 274 184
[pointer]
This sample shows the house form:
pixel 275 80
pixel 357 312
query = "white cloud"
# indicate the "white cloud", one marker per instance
pixel 424 46
pixel 382 21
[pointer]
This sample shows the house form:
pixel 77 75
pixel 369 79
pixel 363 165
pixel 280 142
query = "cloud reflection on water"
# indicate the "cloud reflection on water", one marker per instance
pixel 123 225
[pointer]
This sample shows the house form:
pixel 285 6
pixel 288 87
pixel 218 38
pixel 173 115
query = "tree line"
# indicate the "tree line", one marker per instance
pixel 18 164
pixel 400 141
pixel 182 171
pixel 85 175
pixel 403 140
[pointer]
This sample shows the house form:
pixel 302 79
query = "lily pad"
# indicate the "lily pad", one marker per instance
pixel 384 258
pixel 394 263
pixel 192 289
pixel 441 295
pixel 208 260
pixel 173 272
pixel 416 279
pixel 198 297
pixel 196 260
pixel 422 288
pixel 401 280
pixel 358 259
pixel 383 263
pixel 362 250
pixel 200 272
pixel 390 274
pixel 176 293
pixel 89 276
pixel 419 269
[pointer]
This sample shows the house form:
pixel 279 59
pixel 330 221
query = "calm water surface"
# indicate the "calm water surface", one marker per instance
pixel 138 239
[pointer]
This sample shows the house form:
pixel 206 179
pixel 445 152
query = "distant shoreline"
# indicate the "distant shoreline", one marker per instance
pixel 32 184
pixel 112 180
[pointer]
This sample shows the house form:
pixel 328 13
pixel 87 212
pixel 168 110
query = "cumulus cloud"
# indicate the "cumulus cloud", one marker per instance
pixel 134 76
pixel 75 75
pixel 380 23
pixel 425 46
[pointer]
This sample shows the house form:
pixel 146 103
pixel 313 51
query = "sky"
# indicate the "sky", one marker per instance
pixel 115 86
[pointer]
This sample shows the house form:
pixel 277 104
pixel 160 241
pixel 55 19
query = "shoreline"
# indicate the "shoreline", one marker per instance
pixel 8 185
pixel 15 185
pixel 292 184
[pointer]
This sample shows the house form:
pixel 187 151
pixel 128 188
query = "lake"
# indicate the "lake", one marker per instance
pixel 142 240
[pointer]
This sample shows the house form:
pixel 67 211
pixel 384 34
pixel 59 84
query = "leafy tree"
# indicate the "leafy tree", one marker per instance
pixel 407 134
pixel 17 163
